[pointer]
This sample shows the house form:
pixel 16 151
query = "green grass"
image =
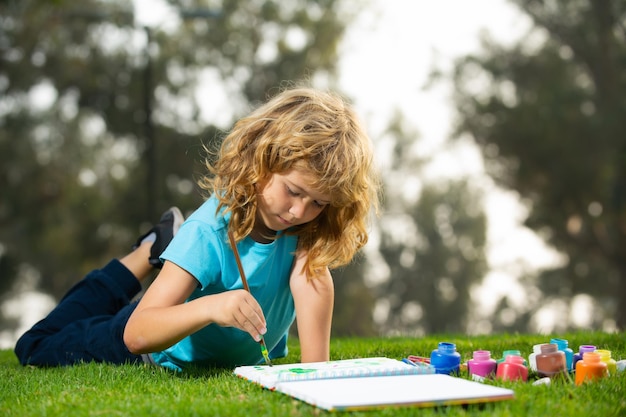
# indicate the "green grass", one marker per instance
pixel 106 390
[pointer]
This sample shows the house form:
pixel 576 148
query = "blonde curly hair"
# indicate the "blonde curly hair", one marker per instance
pixel 314 131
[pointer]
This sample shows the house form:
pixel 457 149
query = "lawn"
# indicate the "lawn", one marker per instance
pixel 106 390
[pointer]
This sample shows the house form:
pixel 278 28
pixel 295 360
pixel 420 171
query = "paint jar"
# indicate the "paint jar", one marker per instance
pixel 513 369
pixel 605 356
pixel 582 349
pixel 446 359
pixel 562 345
pixel 511 352
pixel 551 361
pixel 482 364
pixel 590 367
pixel 532 358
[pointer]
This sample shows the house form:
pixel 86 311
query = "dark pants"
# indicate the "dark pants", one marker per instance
pixel 87 325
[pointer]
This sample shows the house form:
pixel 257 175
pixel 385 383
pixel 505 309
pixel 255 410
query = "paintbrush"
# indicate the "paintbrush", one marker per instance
pixel 233 244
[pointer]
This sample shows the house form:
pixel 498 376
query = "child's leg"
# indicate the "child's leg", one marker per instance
pixel 89 322
pixel 70 332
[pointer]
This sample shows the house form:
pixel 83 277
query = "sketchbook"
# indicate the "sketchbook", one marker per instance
pixel 368 383
pixel 270 376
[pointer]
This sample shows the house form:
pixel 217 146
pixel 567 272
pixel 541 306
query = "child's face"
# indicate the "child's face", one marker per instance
pixel 286 200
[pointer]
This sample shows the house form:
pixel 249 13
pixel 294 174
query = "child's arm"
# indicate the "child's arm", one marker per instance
pixel 313 299
pixel 162 317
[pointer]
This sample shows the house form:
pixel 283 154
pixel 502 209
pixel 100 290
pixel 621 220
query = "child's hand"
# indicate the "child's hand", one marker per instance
pixel 238 309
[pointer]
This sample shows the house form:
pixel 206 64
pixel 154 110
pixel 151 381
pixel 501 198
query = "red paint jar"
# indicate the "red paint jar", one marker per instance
pixel 513 369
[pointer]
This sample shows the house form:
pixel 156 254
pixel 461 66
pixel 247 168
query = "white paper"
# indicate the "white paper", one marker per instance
pixel 401 390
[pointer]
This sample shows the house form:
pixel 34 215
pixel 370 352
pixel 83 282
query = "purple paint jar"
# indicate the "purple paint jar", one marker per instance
pixel 582 349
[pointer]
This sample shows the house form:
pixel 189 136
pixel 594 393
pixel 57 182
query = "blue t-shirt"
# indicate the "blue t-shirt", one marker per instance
pixel 201 248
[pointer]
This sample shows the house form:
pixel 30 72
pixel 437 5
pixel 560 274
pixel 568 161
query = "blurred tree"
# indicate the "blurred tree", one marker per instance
pixel 548 114
pixel 354 303
pixel 433 241
pixel 96 111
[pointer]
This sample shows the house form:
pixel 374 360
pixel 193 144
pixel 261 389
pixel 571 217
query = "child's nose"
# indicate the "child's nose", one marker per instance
pixel 297 209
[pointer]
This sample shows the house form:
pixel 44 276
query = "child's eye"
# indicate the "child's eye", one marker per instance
pixel 318 204
pixel 292 192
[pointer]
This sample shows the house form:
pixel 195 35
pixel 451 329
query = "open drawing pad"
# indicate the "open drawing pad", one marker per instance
pixel 382 382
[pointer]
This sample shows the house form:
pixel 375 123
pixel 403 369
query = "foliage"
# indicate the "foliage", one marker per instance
pixel 354 301
pixel 95 389
pixel 548 116
pixel 433 242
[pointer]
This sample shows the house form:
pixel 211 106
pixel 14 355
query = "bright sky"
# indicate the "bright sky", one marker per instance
pixel 392 47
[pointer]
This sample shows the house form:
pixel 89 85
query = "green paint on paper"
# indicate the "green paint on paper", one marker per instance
pixel 301 370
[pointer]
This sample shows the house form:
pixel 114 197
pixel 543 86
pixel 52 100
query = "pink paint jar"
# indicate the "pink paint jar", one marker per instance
pixel 482 364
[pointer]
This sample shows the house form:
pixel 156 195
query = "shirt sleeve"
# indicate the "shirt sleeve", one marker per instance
pixel 198 250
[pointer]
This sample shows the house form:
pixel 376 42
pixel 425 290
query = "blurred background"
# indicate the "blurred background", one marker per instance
pixel 499 127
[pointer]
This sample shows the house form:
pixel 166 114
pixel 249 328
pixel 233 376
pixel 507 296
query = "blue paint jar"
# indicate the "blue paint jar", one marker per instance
pixel 446 359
